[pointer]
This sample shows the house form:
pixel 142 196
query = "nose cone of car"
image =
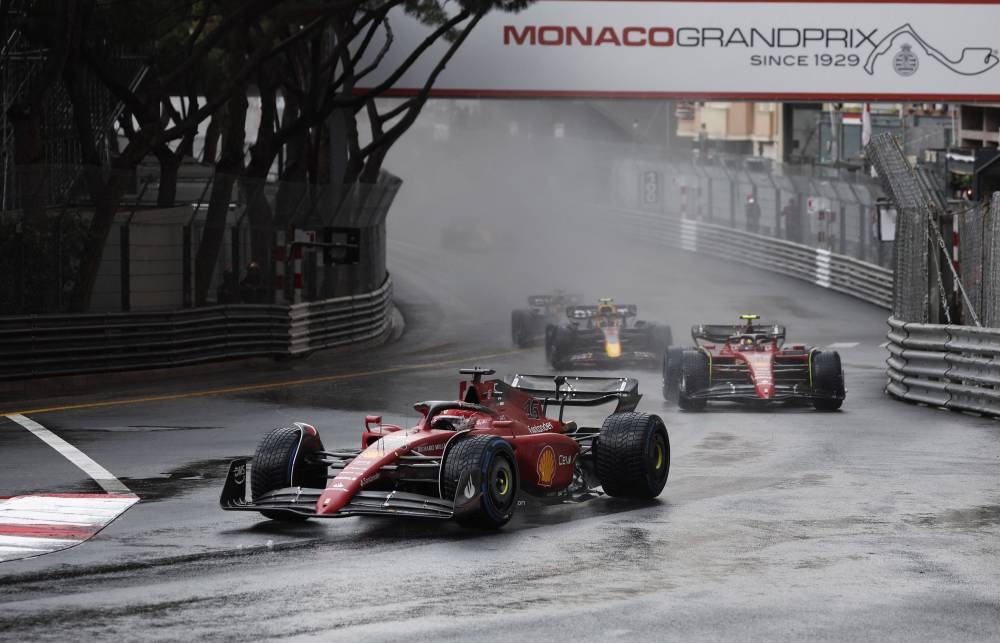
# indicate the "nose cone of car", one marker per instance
pixel 765 391
pixel 332 500
pixel 612 345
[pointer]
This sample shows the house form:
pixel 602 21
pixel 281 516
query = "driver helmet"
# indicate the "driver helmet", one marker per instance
pixel 606 307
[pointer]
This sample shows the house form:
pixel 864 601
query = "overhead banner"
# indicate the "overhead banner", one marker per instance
pixel 914 51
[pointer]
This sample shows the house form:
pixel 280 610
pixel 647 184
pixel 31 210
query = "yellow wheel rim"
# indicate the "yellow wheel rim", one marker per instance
pixel 659 456
pixel 503 482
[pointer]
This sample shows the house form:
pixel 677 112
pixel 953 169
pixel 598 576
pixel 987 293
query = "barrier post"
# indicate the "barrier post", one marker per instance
pixel 123 253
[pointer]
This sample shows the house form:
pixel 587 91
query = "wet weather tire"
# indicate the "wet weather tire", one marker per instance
pixel 673 359
pixel 519 328
pixel 284 458
pixel 827 376
pixel 484 465
pixel 660 337
pixel 632 456
pixel 694 378
pixel 559 345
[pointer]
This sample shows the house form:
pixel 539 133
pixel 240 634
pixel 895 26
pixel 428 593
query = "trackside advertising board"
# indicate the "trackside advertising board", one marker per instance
pixel 921 51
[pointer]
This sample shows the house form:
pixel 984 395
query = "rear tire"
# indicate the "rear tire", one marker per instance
pixel 560 343
pixel 694 378
pixel 632 455
pixel 660 337
pixel 493 458
pixel 519 328
pixel 828 376
pixel 284 458
pixel 673 360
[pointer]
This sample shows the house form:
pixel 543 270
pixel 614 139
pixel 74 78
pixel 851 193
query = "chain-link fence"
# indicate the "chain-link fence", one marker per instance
pixel 823 208
pixel 913 209
pixel 227 239
pixel 979 252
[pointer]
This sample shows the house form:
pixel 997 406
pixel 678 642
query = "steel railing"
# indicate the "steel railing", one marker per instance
pixel 955 367
pixel 51 345
pixel 860 279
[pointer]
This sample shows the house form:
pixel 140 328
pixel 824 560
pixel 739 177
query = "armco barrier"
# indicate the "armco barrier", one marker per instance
pixel 848 275
pixel 955 367
pixel 51 345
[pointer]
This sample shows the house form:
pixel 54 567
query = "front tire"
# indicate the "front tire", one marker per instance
pixel 559 347
pixel 519 328
pixel 632 456
pixel 484 464
pixel 285 458
pixel 694 378
pixel 828 376
pixel 673 360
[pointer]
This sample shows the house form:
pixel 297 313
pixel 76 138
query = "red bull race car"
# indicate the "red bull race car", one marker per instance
pixel 749 362
pixel 605 336
pixel 527 325
pixel 476 459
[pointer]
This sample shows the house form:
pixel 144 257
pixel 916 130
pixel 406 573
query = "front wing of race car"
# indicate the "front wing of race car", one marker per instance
pixel 600 359
pixel 303 501
pixel 733 392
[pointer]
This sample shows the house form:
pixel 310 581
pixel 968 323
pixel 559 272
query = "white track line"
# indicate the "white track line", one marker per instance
pixel 42 523
pixel 100 475
pixel 843 345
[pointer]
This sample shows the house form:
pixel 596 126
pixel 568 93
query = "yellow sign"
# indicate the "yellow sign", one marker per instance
pixel 546 466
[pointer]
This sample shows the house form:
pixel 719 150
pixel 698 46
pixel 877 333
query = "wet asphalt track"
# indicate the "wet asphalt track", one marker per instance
pixel 878 522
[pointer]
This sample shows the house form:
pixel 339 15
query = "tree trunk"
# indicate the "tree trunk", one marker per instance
pixel 211 150
pixel 213 236
pixel 170 164
pixel 106 197
pixel 226 172
pixel 29 165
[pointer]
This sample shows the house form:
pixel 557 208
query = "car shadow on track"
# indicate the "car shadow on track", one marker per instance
pixel 358 532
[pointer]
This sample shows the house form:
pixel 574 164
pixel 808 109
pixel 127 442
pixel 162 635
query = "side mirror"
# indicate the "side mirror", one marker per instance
pixel 373 419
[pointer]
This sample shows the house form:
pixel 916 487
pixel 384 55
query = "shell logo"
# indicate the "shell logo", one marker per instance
pixel 546 466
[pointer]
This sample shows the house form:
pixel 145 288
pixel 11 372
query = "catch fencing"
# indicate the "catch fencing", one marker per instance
pixel 979 254
pixel 829 209
pixel 192 242
pixel 52 345
pixel 860 279
pixel 954 367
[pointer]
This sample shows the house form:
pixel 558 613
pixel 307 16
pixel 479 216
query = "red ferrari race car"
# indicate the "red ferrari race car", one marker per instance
pixel 475 460
pixel 748 362
pixel 605 336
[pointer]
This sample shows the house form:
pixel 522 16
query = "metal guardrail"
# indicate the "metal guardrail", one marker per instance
pixel 339 321
pixel 955 367
pixel 51 345
pixel 860 279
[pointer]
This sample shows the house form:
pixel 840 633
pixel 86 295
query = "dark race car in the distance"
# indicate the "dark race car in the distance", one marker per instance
pixel 527 325
pixel 605 336
pixel 749 362
pixel 474 459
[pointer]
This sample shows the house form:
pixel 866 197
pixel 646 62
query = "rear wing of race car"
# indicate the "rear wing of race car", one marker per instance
pixel 544 301
pixel 586 312
pixel 720 333
pixel 580 391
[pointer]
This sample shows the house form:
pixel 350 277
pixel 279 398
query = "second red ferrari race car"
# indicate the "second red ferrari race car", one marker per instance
pixel 475 459
pixel 749 362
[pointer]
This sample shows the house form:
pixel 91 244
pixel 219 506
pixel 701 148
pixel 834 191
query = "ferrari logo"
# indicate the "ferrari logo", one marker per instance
pixel 546 466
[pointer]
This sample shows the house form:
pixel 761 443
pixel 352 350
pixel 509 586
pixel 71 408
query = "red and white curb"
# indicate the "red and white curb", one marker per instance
pixel 42 523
